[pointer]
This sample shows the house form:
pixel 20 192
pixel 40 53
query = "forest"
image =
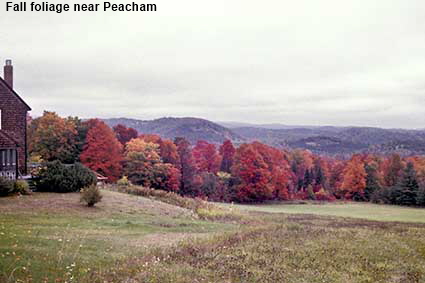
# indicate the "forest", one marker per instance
pixel 245 173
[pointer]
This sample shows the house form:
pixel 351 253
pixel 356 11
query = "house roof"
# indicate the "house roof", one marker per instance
pixel 14 92
pixel 100 176
pixel 7 141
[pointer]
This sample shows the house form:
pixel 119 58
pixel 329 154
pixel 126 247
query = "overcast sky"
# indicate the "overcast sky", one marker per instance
pixel 327 62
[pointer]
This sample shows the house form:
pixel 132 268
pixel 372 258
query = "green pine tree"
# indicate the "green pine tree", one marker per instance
pixel 406 191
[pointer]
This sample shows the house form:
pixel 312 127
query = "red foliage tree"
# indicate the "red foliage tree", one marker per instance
pixel 393 170
pixel 206 157
pixel 102 152
pixel 278 167
pixel 254 175
pixel 124 134
pixel 187 166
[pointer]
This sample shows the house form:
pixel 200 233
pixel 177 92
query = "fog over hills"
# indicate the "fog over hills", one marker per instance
pixel 327 140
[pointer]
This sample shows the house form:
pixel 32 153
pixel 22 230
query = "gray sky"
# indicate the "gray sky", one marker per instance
pixel 328 62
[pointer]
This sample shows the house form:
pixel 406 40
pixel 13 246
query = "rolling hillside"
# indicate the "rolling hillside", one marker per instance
pixel 193 129
pixel 327 140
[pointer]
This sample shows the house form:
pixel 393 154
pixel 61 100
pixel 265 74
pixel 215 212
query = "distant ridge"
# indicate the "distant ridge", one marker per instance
pixel 193 129
pixel 327 140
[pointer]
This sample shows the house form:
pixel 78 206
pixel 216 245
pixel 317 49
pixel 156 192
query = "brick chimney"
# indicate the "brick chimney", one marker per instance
pixel 8 73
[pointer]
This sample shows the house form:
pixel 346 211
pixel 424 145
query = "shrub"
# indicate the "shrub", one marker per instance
pixel 61 178
pixel 123 182
pixel 6 187
pixel 91 195
pixel 322 195
pixel 22 187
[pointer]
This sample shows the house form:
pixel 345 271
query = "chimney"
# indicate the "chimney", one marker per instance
pixel 8 73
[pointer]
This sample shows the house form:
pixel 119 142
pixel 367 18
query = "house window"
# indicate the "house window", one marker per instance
pixel 7 157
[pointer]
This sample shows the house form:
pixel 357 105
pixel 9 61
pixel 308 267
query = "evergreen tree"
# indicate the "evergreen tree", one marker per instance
pixel 406 191
pixel 307 178
pixel 372 181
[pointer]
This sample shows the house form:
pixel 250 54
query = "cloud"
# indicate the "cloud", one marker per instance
pixel 295 62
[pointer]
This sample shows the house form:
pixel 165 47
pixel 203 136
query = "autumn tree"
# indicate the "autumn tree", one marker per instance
pixel 206 157
pixel 53 138
pixel 102 152
pixel 143 166
pixel 167 149
pixel 253 172
pixel 227 152
pixel 188 166
pixel 393 170
pixel 354 178
pixel 168 152
pixel 124 134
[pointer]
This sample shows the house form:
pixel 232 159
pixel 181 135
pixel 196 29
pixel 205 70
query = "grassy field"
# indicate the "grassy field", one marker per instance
pixel 351 209
pixel 53 238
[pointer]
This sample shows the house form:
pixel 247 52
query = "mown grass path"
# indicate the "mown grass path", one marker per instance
pixel 350 209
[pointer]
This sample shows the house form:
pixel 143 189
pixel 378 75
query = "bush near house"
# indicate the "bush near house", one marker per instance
pixel 22 187
pixel 64 178
pixel 6 187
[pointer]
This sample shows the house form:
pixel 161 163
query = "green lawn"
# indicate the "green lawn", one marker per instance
pixel 351 209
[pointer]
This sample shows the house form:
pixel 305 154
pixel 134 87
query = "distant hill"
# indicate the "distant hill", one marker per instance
pixel 340 140
pixel 193 129
pixel 327 140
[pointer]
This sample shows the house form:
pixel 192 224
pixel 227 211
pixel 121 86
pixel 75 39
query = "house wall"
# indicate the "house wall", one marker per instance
pixel 14 122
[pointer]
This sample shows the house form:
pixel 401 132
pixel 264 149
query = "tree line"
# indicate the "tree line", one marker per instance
pixel 250 172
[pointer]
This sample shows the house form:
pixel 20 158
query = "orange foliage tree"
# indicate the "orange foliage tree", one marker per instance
pixel 354 178
pixel 143 166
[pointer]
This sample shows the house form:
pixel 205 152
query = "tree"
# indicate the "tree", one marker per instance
pixel 168 152
pixel 301 165
pixel 102 152
pixel 227 151
pixel 354 178
pixel 406 191
pixel 53 138
pixel 143 166
pixel 372 180
pixel 206 157
pixel 253 172
pixel 124 134
pixel 318 173
pixel 188 167
pixel 278 167
pixel 393 170
pixel 167 149
pixel 80 139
